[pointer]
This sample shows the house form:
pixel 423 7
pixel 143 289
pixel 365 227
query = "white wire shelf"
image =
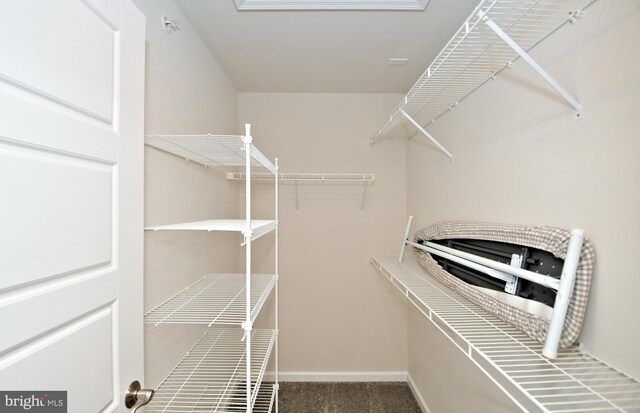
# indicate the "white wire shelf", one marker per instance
pixel 214 299
pixel 259 227
pixel 310 178
pixel 574 382
pixel 476 54
pixel 217 151
pixel 304 177
pixel 212 377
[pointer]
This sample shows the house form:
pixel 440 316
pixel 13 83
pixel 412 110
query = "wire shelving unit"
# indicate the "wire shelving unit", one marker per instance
pixel 573 382
pixel 223 372
pixel 497 33
pixel 211 377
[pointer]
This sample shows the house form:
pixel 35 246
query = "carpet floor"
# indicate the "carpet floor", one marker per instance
pixel 346 398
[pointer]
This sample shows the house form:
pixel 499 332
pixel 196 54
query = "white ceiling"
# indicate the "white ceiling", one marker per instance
pixel 324 51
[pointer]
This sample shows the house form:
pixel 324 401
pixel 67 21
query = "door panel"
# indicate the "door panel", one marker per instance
pixel 42 364
pixel 73 43
pixel 62 214
pixel 71 178
pixel 28 118
pixel 81 292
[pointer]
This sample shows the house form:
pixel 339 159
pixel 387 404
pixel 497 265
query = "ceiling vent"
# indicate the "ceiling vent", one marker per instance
pixel 257 5
pixel 398 61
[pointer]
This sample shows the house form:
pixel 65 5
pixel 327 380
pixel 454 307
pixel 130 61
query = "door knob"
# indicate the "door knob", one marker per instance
pixel 137 397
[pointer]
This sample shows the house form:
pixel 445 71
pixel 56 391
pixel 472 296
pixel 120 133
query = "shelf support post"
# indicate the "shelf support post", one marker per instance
pixel 297 205
pixel 248 324
pixel 277 286
pixel 527 58
pixel 425 133
pixel 404 240
pixel 364 193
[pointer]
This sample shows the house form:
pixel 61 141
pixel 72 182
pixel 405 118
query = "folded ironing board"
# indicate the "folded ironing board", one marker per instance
pixel 536 253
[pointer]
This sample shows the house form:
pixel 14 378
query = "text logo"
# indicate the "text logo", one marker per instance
pixel 33 401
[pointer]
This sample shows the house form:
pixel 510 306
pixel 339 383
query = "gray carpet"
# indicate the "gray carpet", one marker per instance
pixel 346 398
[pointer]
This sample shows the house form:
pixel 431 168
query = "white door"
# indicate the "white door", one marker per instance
pixel 71 199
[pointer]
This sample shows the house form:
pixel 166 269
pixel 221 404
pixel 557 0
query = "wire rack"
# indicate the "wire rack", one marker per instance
pixel 475 55
pixel 211 377
pixel 304 177
pixel 217 151
pixel 214 299
pixel 574 382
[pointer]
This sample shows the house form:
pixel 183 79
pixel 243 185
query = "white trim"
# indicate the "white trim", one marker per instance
pixel 416 5
pixel 339 376
pixel 417 395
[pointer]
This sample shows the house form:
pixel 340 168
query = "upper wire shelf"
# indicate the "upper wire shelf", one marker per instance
pixel 217 151
pixel 212 377
pixel 310 178
pixel 573 382
pixel 476 54
pixel 304 177
pixel 259 227
pixel 214 299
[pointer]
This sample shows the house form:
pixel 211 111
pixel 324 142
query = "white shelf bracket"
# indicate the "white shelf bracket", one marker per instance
pixel 247 326
pixel 364 193
pixel 405 239
pixel 169 25
pixel 246 138
pixel 527 58
pixel 246 236
pixel 296 190
pixel 425 133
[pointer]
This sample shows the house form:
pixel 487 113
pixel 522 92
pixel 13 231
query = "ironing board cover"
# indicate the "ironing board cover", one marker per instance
pixel 551 239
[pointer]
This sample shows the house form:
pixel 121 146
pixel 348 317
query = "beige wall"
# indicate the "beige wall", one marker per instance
pixel 519 157
pixel 448 381
pixel 336 314
pixel 186 92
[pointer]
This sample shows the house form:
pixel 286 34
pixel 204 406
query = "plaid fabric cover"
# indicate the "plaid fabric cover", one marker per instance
pixel 551 239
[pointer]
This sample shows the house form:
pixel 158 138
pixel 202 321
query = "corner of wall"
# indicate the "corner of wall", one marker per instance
pixel 187 91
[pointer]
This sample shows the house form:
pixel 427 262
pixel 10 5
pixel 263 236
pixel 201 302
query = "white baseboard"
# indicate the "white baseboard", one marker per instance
pixel 417 394
pixel 340 376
